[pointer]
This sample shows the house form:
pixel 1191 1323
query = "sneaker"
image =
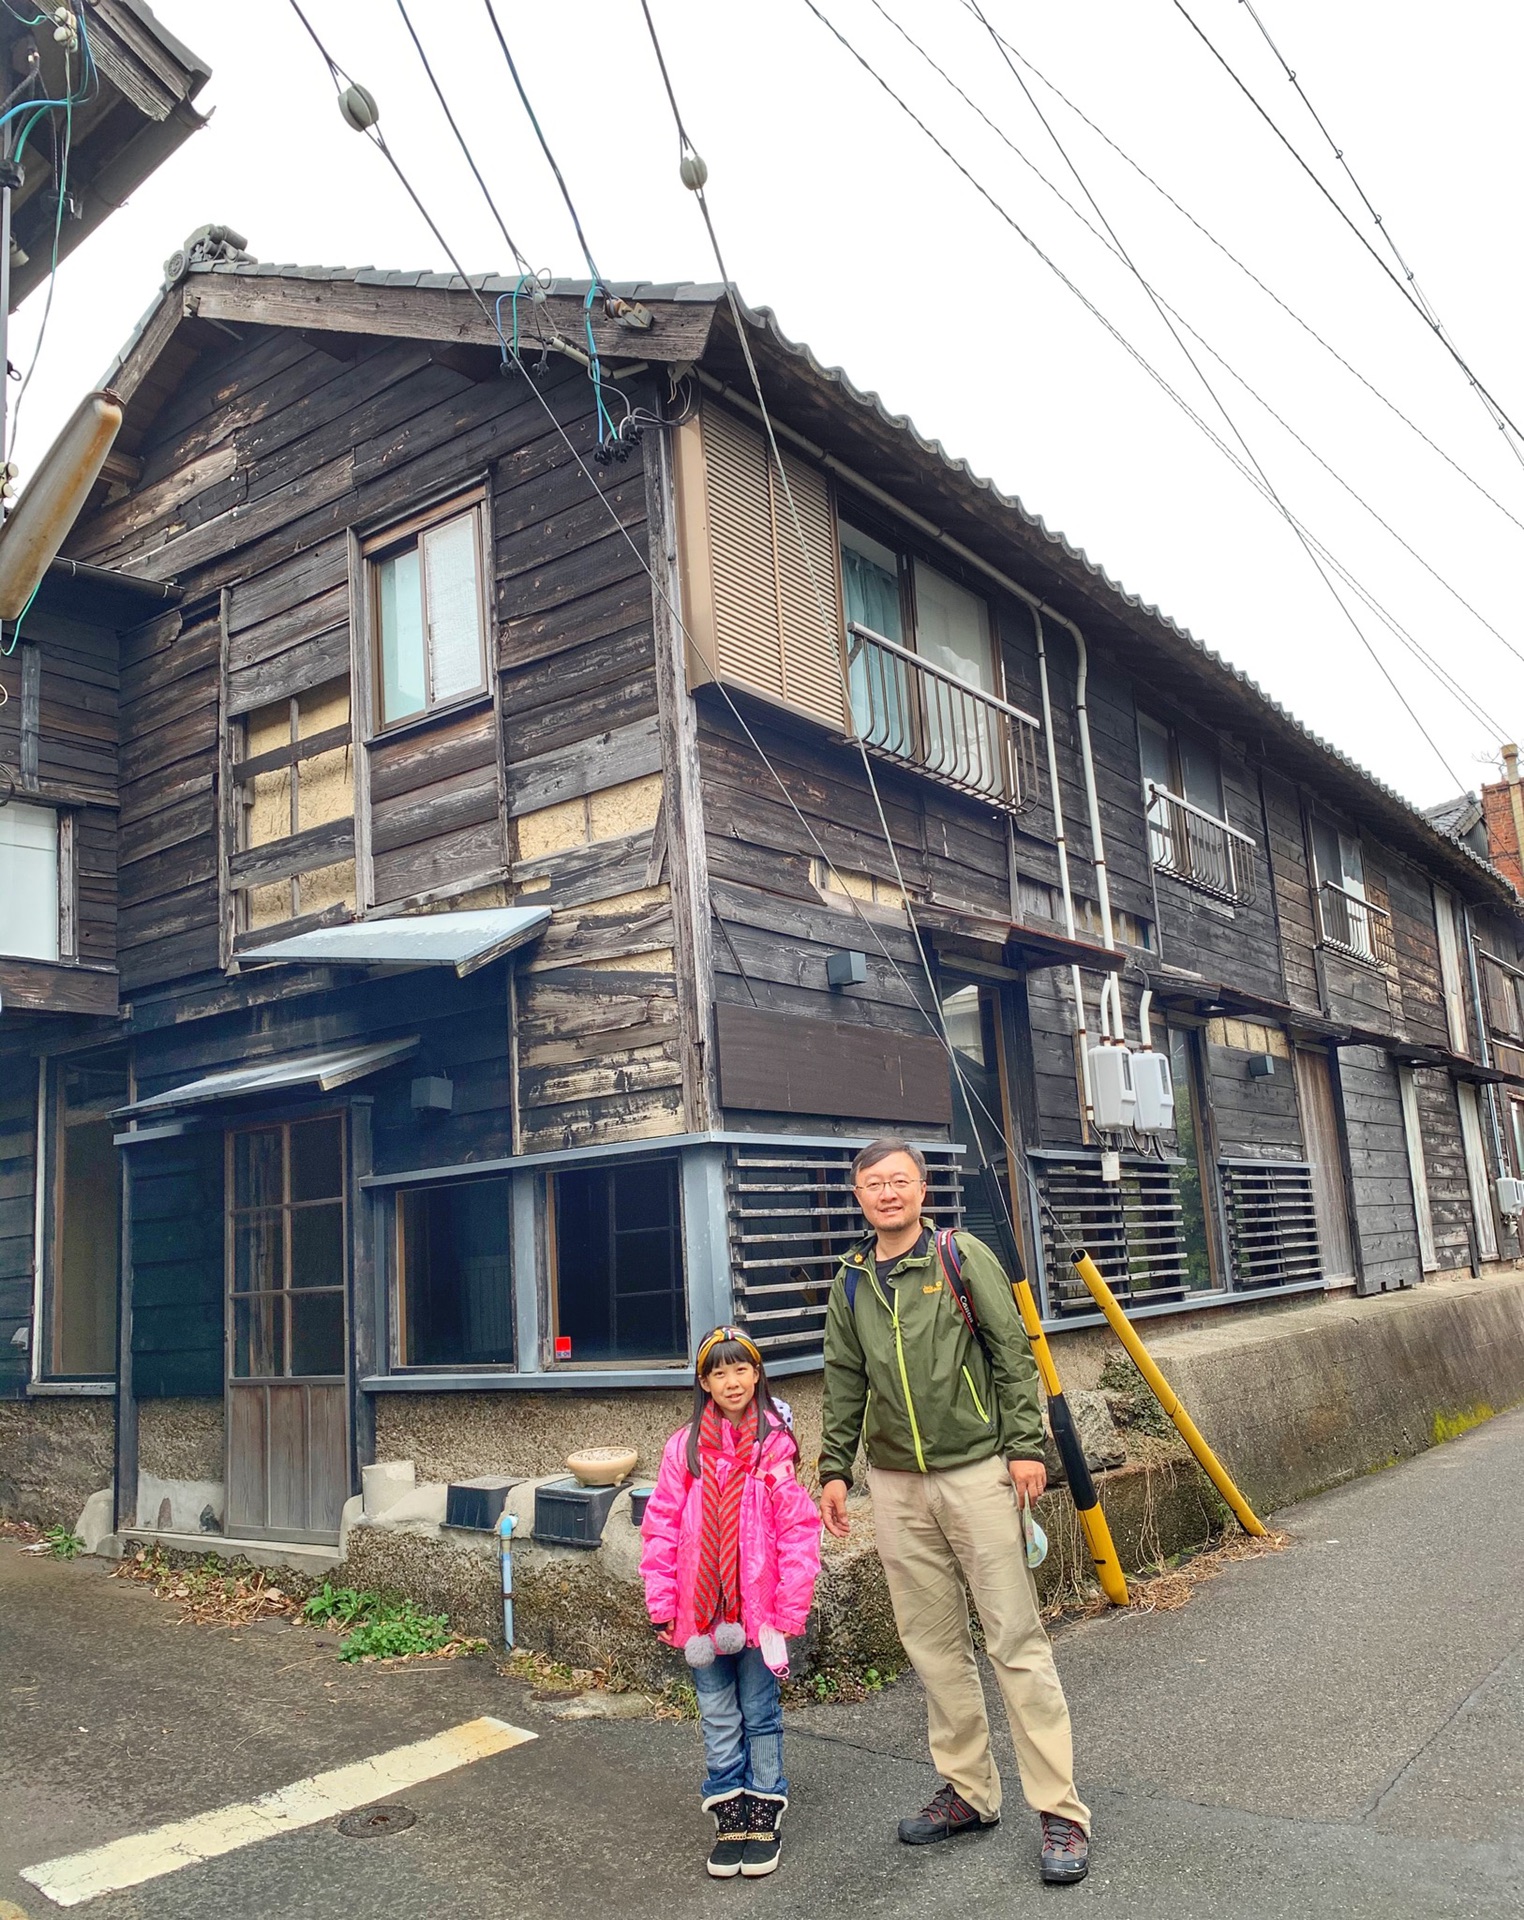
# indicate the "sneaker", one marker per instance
pixel 731 1822
pixel 945 1814
pixel 1065 1849
pixel 763 1840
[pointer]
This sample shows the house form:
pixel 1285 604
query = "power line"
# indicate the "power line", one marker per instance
pixel 1506 426
pixel 587 252
pixel 1255 477
pixel 523 264
pixel 1246 270
pixel 1109 240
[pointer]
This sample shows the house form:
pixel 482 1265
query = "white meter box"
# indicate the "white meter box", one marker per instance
pixel 1111 1087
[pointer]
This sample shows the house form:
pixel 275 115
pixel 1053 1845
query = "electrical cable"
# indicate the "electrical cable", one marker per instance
pixel 696 181
pixel 1247 271
pixel 519 260
pixel 1108 240
pixel 61 179
pixel 1252 471
pixel 587 252
pixel 1500 419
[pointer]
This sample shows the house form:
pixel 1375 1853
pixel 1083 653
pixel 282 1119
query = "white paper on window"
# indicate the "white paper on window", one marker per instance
pixel 402 679
pixel 952 628
pixel 453 600
pixel 29 882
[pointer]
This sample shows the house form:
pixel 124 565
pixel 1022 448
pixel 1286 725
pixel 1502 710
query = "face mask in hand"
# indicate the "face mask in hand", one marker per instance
pixel 1036 1540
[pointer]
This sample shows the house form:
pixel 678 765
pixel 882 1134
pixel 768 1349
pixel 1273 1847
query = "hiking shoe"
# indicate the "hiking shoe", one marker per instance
pixel 1065 1849
pixel 945 1814
pixel 764 1842
pixel 732 1821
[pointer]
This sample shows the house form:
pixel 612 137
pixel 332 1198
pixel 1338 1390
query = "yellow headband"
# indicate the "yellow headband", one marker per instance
pixel 717 1338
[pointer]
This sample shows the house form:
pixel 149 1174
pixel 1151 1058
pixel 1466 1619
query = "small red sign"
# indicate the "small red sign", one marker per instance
pixel 563 1346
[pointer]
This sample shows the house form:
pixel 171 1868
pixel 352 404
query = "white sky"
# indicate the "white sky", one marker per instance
pixel 837 212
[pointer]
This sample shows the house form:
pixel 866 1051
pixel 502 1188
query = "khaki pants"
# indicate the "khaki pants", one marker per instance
pixel 929 1526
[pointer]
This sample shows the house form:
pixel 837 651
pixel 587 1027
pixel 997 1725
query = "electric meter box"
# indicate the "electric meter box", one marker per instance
pixel 1510 1196
pixel 1153 1092
pixel 1111 1087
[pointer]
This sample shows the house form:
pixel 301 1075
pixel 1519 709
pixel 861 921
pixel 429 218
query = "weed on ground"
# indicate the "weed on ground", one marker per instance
pixel 376 1627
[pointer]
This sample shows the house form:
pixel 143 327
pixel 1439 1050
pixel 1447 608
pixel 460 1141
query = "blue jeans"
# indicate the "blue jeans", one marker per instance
pixel 742 1718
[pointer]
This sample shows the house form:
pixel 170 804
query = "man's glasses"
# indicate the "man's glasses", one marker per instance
pixel 896 1183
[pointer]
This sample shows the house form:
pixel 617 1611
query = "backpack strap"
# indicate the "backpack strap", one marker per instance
pixel 951 1258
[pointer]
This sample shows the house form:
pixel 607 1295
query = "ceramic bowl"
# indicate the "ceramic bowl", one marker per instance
pixel 602 1466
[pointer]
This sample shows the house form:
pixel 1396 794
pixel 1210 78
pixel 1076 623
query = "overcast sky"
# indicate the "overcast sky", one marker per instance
pixel 838 212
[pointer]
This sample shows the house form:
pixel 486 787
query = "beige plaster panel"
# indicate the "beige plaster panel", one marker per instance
pixel 267 808
pixel 54 1453
pixel 325 788
pixel 180 1439
pixel 268 906
pixel 630 807
pixel 328 887
pixel 552 829
pixel 320 708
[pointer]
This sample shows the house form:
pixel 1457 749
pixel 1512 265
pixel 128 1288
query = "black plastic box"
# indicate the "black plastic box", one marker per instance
pixel 567 1514
pixel 639 1496
pixel 478 1503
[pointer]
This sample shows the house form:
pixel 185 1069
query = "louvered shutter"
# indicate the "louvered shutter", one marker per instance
pixel 762 615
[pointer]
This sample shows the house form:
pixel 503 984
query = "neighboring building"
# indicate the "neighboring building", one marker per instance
pixel 509 948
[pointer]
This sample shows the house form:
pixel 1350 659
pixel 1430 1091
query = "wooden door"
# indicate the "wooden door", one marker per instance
pixel 287 1392
pixel 1325 1154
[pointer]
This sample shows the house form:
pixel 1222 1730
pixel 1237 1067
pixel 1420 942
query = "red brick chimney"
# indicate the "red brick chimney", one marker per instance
pixel 1503 817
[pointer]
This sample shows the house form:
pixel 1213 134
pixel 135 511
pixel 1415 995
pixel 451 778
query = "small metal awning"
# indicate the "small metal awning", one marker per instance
pixel 1032 946
pixel 333 1067
pixel 464 941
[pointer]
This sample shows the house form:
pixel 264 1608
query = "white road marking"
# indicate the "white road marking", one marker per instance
pixel 128 1862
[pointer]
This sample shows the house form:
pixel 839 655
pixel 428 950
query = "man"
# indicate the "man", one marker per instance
pixel 952 1426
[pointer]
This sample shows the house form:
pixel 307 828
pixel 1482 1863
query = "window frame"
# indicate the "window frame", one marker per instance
pixel 909 558
pixel 50 1198
pixel 608 1169
pixel 388 541
pixel 65 881
pixel 1171 733
pixel 283 1124
pixel 394 1241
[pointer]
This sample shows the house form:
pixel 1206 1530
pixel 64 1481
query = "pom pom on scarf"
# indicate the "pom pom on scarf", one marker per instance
pixel 699 1651
pixel 729 1637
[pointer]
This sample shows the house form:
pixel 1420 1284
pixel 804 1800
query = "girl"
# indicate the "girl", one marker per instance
pixel 731 1555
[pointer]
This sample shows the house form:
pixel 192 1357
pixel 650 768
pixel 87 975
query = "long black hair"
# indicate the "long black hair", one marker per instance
pixel 725 1351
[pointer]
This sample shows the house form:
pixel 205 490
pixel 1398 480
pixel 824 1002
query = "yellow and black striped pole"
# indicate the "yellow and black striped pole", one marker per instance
pixel 1164 1393
pixel 1087 1502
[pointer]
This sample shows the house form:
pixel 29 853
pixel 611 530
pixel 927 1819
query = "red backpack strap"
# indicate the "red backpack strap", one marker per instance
pixel 952 1267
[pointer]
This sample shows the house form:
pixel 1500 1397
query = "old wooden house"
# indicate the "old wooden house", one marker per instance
pixel 512 830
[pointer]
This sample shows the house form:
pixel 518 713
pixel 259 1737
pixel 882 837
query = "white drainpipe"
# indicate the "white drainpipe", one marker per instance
pixel 1081 1029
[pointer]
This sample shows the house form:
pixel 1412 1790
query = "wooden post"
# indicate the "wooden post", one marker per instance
pixel 682 802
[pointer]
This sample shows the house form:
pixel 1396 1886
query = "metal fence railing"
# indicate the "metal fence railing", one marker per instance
pixel 1198 848
pixel 1133 1229
pixel 908 709
pixel 1355 925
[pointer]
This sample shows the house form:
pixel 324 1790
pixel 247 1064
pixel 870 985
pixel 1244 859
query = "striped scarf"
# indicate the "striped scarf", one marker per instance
pixel 717 1588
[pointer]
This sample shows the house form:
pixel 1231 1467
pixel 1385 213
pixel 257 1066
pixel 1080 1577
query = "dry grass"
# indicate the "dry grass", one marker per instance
pixel 1167 1585
pixel 22 1530
pixel 209 1594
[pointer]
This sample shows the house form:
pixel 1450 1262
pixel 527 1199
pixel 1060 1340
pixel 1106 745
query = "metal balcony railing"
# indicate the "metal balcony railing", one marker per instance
pixel 1356 926
pixel 1199 849
pixel 908 709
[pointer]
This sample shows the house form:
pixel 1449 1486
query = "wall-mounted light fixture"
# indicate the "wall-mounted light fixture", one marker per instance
pixel 846 969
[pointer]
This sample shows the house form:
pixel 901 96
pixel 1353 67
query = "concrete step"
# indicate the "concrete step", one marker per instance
pixel 302 1556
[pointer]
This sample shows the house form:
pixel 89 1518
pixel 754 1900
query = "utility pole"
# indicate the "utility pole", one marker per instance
pixel 11 177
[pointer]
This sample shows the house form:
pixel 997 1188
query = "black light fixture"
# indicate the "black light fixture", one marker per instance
pixel 433 1093
pixel 846 969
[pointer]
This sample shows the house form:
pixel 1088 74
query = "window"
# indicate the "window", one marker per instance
pixel 618 1269
pixel 1193 1175
pixel 1445 910
pixel 1188 831
pixel 454 1276
pixel 295 775
pixel 923 674
pixel 29 927
pixel 287 1250
pixel 86 1214
pixel 1348 918
pixel 428 613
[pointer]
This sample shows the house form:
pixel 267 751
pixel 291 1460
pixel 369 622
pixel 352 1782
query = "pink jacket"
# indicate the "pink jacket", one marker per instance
pixel 780 1541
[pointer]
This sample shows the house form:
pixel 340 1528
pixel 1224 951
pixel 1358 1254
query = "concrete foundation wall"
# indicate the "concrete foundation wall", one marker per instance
pixel 54 1453
pixel 1304 1400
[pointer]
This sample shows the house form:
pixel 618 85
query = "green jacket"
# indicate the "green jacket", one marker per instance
pixel 904 1374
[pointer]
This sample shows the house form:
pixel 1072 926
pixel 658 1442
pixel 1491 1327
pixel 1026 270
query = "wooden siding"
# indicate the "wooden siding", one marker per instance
pixel 177 1280
pixel 1381 1188
pixel 1444 1166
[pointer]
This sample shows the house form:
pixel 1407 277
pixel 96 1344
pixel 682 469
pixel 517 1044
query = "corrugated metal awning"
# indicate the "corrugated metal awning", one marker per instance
pixel 333 1067
pixel 464 941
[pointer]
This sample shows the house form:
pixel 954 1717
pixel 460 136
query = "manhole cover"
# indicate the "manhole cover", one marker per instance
pixel 370 1823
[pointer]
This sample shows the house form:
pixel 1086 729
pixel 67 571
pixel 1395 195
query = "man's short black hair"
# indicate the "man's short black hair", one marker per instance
pixel 877 1150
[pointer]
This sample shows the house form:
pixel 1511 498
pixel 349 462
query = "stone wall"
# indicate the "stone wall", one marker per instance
pixel 55 1451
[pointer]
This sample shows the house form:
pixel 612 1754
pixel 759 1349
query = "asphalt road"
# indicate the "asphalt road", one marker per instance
pixel 1334 1730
